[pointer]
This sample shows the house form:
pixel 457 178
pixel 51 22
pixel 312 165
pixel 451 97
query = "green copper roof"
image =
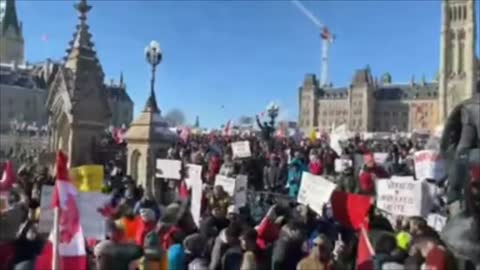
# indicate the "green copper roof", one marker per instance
pixel 10 17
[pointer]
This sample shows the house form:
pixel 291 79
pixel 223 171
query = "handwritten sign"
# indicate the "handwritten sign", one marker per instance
pixel 169 169
pixel 194 181
pixel 400 196
pixel 241 149
pixel 429 165
pixel 227 183
pixel 315 191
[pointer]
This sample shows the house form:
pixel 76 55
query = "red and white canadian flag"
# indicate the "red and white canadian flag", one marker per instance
pixel 69 239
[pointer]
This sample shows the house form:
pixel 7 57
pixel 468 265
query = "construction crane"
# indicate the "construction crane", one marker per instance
pixel 327 39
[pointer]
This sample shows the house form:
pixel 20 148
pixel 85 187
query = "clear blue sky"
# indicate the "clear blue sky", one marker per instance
pixel 240 54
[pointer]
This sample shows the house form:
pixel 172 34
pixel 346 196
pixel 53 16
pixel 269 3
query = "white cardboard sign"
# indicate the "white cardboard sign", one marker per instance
pixel 380 158
pixel 341 164
pixel 194 181
pixel 227 183
pixel 401 196
pixel 436 221
pixel 241 149
pixel 241 186
pixel 315 191
pixel 168 168
pixel 93 223
pixel 429 165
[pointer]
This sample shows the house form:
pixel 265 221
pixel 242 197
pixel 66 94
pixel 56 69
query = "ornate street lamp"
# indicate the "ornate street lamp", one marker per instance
pixel 153 53
pixel 272 111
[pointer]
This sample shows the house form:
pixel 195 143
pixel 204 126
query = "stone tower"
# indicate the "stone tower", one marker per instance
pixel 78 108
pixel 11 34
pixel 457 54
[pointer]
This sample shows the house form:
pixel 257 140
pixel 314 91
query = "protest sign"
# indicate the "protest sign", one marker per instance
pixel 241 186
pixel 87 178
pixel 436 221
pixel 194 181
pixel 93 223
pixel 168 169
pixel 429 165
pixel 227 183
pixel 315 191
pixel 380 158
pixel 341 164
pixel 241 149
pixel 400 196
pixel 45 222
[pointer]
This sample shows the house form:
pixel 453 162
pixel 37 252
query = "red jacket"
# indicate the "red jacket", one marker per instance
pixel 143 230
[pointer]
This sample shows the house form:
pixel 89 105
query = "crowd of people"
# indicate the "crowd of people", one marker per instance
pixel 273 231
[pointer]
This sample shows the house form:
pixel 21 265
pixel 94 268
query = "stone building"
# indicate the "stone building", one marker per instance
pixel 22 96
pixel 370 104
pixel 24 87
pixel 11 34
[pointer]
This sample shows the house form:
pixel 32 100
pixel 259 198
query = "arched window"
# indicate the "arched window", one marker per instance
pixel 464 11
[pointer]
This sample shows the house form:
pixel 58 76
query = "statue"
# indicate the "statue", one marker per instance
pixel 268 128
pixel 461 145
pixel 461 134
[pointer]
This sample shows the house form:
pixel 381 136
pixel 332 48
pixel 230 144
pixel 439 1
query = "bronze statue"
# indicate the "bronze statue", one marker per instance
pixel 460 143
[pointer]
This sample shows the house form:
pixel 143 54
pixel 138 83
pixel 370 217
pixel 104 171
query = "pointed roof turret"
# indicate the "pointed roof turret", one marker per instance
pixel 10 18
pixel 81 46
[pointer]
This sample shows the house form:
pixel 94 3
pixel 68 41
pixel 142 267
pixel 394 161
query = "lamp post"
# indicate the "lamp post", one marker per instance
pixel 153 54
pixel 272 111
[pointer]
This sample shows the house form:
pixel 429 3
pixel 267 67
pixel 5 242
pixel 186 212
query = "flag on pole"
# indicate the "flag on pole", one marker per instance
pixel 8 177
pixel 365 252
pixel 67 244
pixel 227 130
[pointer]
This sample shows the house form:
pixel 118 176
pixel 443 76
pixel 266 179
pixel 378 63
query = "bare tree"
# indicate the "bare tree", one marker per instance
pixel 175 117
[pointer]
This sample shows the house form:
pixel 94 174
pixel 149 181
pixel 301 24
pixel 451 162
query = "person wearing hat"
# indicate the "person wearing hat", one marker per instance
pixel 112 255
pixel 154 257
pixel 195 251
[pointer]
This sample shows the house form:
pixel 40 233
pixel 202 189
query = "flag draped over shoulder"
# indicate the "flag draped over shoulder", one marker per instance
pixel 71 241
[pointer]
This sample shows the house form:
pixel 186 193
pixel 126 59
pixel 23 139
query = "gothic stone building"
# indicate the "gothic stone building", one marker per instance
pixel 24 87
pixel 368 104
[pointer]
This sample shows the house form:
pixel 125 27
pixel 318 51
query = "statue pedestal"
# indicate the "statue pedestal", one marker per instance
pixel 148 138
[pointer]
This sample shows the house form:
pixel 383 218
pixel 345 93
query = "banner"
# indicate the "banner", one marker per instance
pixel 194 181
pixel 241 149
pixel 429 165
pixel 315 191
pixel 93 223
pixel 168 169
pixel 241 187
pixel 402 197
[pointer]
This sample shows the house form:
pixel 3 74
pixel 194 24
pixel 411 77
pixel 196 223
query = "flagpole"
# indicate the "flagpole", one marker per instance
pixel 55 242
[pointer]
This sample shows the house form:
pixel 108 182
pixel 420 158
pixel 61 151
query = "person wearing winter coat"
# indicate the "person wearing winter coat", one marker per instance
pixel 226 239
pixel 287 250
pixel 320 257
pixel 271 175
pixel 297 167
